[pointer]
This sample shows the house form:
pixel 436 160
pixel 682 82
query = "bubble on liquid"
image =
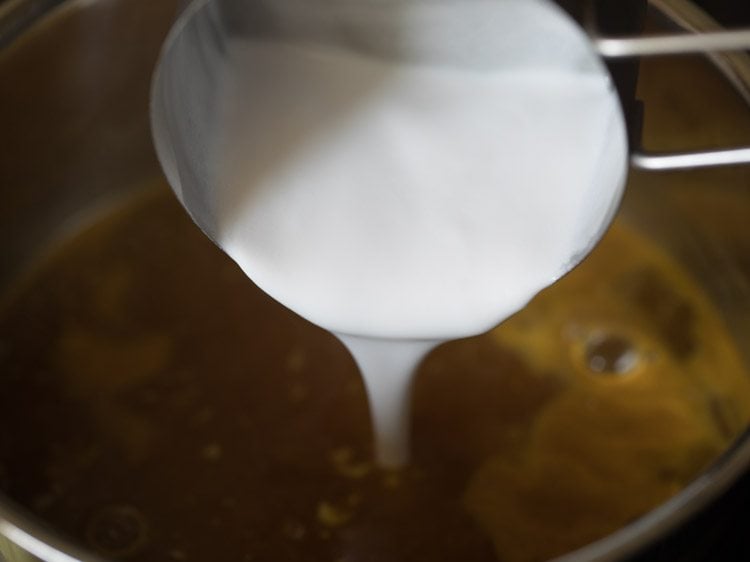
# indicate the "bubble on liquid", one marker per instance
pixel 333 515
pixel 611 354
pixel 204 416
pixel 294 529
pixel 229 502
pixel 346 464
pixel 391 479
pixel 297 392
pixel 212 452
pixel 117 530
pixel 296 360
pixel 178 554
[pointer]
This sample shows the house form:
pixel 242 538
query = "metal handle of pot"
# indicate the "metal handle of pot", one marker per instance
pixel 673 44
pixel 613 48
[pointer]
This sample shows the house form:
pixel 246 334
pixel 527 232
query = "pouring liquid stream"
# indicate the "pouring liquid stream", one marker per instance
pixel 400 206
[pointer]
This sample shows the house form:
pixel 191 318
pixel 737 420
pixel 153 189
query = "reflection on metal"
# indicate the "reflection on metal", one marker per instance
pixel 10 552
pixel 684 43
pixel 689 160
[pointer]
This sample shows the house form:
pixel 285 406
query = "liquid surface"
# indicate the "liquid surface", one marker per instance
pixel 144 415
pixel 401 203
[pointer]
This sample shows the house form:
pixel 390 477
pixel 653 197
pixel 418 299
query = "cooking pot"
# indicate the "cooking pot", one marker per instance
pixel 75 146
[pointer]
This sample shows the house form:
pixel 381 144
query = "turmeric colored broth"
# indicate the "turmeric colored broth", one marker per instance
pixel 156 406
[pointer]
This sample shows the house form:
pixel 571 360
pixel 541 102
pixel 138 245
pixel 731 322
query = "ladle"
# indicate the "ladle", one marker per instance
pixel 534 181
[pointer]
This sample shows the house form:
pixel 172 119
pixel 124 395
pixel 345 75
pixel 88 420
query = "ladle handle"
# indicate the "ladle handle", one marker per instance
pixel 673 44
pixel 690 42
pixel 657 161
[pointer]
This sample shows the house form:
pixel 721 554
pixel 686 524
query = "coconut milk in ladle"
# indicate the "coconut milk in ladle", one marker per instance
pixel 399 173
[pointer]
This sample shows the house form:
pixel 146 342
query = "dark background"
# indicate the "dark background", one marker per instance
pixel 730 12
pixel 720 533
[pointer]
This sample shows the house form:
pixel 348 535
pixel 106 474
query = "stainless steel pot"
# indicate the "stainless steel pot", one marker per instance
pixel 74 80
